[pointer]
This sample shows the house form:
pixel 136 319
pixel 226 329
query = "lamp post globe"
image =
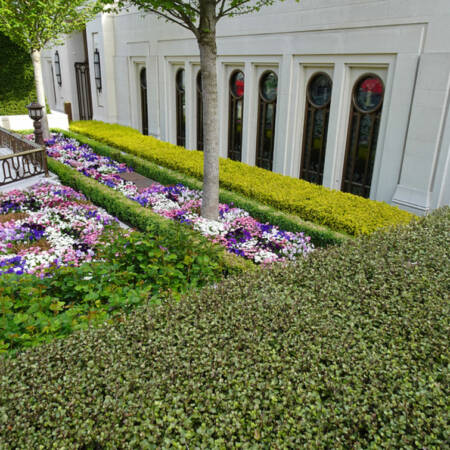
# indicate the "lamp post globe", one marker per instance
pixel 35 111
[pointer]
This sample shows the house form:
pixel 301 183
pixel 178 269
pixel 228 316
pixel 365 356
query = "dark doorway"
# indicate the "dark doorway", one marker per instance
pixel 199 112
pixel 181 108
pixel 83 90
pixel 235 115
pixel 144 105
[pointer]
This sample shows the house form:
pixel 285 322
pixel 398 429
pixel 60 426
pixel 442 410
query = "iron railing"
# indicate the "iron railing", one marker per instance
pixel 27 160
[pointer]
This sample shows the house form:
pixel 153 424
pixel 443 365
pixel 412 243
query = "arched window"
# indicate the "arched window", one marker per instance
pixel 199 112
pixel 367 103
pixel 266 120
pixel 236 114
pixel 144 106
pixel 181 108
pixel 318 99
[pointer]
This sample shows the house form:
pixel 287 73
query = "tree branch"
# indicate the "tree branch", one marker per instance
pixel 171 18
pixel 227 11
pixel 222 8
pixel 187 5
pixel 187 20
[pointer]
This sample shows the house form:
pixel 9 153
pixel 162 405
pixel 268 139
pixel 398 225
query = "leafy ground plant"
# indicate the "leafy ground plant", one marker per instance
pixel 347 348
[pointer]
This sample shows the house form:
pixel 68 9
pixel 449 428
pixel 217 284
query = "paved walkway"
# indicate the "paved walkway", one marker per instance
pixel 139 180
pixel 28 182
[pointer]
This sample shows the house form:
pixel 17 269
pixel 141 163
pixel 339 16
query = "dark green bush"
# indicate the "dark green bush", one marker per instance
pixel 16 79
pixel 346 349
pixel 320 236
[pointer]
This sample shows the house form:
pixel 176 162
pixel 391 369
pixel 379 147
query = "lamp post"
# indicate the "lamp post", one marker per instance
pixel 35 111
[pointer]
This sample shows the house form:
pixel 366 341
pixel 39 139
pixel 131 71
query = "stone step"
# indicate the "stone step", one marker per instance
pixel 28 182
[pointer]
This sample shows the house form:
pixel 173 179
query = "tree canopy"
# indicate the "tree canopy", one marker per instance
pixel 33 24
pixel 188 14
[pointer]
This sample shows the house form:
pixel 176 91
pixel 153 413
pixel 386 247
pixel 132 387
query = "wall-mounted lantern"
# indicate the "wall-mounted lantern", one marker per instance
pixel 58 69
pixel 97 70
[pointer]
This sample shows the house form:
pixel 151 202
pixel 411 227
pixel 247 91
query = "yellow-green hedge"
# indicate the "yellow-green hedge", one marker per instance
pixel 338 210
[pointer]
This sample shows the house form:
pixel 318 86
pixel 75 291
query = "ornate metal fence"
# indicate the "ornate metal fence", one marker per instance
pixel 26 160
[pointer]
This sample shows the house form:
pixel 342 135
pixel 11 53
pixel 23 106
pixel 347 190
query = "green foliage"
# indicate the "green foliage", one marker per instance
pixel 32 24
pixel 339 211
pixel 16 79
pixel 320 236
pixel 34 310
pixel 346 349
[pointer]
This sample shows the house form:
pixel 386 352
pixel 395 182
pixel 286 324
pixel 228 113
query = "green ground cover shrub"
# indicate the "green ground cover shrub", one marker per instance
pixel 320 236
pixel 346 349
pixel 337 210
pixel 142 268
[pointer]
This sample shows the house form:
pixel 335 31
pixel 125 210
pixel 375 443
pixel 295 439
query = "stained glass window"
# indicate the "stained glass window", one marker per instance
pixel 318 99
pixel 268 86
pixel 236 114
pixel 365 115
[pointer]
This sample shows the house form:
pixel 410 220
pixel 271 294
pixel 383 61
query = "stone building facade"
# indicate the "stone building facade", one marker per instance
pixel 351 94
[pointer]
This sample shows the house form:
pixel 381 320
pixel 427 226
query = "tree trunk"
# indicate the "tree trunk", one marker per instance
pixel 39 82
pixel 208 59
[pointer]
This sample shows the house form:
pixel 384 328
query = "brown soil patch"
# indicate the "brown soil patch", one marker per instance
pixel 12 216
pixel 83 202
pixel 41 243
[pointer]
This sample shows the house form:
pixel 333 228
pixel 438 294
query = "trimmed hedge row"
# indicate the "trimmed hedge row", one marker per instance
pixel 346 349
pixel 320 236
pixel 143 219
pixel 337 210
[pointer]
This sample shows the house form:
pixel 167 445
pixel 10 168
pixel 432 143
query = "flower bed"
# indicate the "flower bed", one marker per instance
pixel 236 229
pixel 66 265
pixel 321 236
pixel 47 227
